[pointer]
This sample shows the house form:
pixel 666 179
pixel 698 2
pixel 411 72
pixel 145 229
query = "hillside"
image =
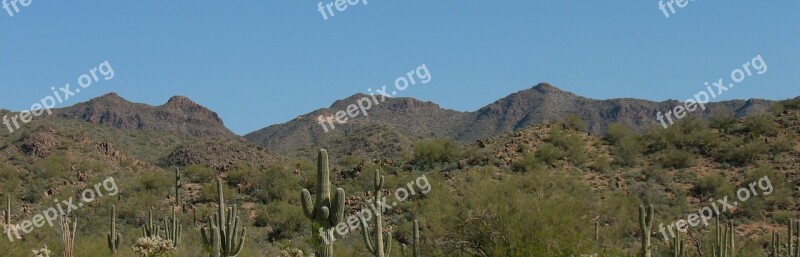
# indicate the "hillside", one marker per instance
pixel 555 179
pixel 538 105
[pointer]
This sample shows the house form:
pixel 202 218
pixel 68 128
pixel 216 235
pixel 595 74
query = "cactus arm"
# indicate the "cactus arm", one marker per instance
pixel 308 203
pixel 388 241
pixel 365 234
pixel 240 245
pixel 324 213
pixel 337 207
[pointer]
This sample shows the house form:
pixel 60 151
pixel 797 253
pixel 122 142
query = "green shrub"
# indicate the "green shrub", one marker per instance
pixel 436 151
pixel 629 151
pixel 616 132
pixel 199 173
pixel 549 153
pixel 528 163
pixel 675 158
pixel 573 122
pixel 571 144
pixel 759 125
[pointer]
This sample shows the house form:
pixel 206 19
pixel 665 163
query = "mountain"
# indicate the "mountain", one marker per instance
pixel 179 115
pixel 410 117
pixel 540 104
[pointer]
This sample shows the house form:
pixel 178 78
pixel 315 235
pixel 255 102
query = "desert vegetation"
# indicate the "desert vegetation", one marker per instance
pixel 546 190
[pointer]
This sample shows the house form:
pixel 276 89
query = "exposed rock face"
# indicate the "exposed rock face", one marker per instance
pixel 179 115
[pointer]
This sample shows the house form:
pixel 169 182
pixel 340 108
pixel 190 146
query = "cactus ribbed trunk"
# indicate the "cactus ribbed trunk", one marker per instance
pixel 724 241
pixel 114 237
pixel 645 227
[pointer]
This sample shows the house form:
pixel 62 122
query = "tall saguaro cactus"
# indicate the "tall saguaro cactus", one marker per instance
pixel 68 235
pixel 415 242
pixel 114 237
pixel 178 186
pixel 223 236
pixel 324 212
pixel 173 229
pixel 8 226
pixel 645 227
pixel 724 241
pixel 379 247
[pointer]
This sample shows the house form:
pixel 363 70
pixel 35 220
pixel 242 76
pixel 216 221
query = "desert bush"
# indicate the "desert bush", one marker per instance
pixel 675 158
pixel 723 121
pixel 601 164
pixel 616 132
pixel 196 173
pixel 762 124
pixel 527 163
pixel 742 155
pixel 436 151
pixel 571 144
pixel 573 122
pixel 240 173
pixel 713 185
pixel 549 153
pixel 629 151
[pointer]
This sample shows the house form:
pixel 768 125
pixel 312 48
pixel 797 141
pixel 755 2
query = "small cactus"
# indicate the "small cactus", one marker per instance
pixel 150 228
pixel 379 247
pixel 114 237
pixel 223 237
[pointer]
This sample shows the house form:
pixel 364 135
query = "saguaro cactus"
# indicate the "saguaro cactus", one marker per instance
pixel 173 229
pixel 67 235
pixel 8 226
pixel 414 243
pixel 645 226
pixel 379 247
pixel 178 186
pixel 678 247
pixel 724 241
pixel 223 236
pixel 416 239
pixel 324 213
pixel 150 229
pixel 114 237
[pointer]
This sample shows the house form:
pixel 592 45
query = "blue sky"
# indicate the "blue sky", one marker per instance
pixel 258 63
